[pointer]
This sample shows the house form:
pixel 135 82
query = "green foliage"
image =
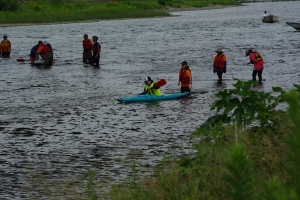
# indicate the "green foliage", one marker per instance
pixel 239 174
pixel 244 105
pixel 90 186
pixel 165 2
pixel 9 5
pixel 57 2
pixel 80 4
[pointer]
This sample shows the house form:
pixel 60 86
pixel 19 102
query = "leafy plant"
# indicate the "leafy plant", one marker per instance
pixel 244 105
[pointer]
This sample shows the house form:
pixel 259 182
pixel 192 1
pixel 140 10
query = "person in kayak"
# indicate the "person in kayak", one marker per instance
pixel 150 87
pixel 258 63
pixel 185 78
pixel 220 64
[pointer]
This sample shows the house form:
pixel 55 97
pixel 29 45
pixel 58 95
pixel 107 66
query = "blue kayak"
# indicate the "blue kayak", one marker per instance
pixel 149 98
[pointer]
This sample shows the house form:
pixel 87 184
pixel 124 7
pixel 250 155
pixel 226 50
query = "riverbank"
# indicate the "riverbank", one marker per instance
pixel 40 13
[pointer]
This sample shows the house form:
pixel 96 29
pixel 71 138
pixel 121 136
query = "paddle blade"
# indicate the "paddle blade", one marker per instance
pixel 21 60
pixel 161 83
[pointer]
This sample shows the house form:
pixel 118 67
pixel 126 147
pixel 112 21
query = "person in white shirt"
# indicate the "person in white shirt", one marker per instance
pixel 266 14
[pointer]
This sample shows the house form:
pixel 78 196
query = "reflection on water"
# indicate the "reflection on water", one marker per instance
pixel 57 123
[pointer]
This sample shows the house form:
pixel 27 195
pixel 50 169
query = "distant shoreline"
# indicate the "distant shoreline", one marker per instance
pixel 168 10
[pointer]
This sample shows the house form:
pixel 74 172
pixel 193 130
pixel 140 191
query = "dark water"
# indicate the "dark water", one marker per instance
pixel 57 123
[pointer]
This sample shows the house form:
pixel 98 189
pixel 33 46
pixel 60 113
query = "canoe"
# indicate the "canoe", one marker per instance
pixel 295 25
pixel 149 98
pixel 270 19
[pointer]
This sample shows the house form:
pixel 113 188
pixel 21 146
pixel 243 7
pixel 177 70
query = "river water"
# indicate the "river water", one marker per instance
pixel 57 123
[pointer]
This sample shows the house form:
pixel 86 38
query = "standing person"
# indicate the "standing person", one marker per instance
pixel 33 53
pixel 5 47
pixel 150 87
pixel 220 64
pixel 87 49
pixel 96 52
pixel 258 63
pixel 51 50
pixel 185 78
pixel 45 51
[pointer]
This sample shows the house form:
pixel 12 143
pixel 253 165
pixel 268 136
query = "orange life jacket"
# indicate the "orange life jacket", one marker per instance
pixel 183 78
pixel 219 61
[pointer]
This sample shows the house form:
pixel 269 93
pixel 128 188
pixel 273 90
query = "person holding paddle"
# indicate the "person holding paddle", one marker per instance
pixel 185 78
pixel 151 87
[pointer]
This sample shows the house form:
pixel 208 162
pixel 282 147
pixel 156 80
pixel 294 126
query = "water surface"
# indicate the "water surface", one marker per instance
pixel 57 123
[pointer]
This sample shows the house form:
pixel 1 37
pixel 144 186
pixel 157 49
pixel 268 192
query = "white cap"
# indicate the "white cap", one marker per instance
pixel 45 42
pixel 4 35
pixel 145 79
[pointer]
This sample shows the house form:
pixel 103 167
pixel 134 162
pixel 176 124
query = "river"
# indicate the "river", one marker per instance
pixel 58 123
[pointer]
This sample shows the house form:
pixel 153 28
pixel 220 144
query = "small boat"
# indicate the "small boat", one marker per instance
pixel 149 98
pixel 295 25
pixel 270 19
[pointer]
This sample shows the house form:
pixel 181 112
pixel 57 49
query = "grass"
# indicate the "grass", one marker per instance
pixel 54 11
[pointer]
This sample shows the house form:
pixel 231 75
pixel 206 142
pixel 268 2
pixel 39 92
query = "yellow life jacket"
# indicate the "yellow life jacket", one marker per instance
pixel 152 91
pixel 257 55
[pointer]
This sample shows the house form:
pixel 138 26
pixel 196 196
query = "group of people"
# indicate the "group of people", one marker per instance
pixel 43 50
pixel 219 67
pixel 91 51
pixel 91 55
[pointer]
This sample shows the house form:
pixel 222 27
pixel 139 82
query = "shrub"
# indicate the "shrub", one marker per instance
pixel 9 5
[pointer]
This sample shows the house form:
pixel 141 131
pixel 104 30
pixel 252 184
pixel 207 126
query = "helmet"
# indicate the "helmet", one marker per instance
pixel 247 52
pixel 95 38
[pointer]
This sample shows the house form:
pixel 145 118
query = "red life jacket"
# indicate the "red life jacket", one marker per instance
pixel 219 61
pixel 183 78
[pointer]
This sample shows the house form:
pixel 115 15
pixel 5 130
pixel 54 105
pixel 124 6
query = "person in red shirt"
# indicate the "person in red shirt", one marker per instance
pixel 185 78
pixel 5 47
pixel 87 49
pixel 220 64
pixel 45 51
pixel 258 63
